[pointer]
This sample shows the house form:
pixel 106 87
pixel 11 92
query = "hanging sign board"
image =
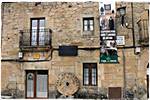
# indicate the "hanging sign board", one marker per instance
pixel 108 36
pixel 108 51
pixel 109 55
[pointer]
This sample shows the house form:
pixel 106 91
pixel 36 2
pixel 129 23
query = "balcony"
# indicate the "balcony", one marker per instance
pixel 35 40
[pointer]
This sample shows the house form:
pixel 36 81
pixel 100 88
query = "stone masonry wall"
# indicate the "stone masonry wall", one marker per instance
pixel 66 20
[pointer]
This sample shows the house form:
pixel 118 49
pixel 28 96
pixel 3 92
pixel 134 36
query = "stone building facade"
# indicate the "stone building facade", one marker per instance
pixel 27 61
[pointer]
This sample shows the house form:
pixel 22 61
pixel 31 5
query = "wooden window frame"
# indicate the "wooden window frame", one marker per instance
pixel 38 25
pixel 88 23
pixel 91 65
pixel 35 72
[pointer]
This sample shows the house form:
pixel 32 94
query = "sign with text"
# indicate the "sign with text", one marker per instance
pixel 120 40
pixel 108 36
pixel 108 52
pixel 109 55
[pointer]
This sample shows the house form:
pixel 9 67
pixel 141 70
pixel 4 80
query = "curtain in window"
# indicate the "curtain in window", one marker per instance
pixel 85 25
pixel 34 32
pixel 30 85
pixel 93 76
pixel 41 32
pixel 41 88
pixel 86 76
pixel 91 25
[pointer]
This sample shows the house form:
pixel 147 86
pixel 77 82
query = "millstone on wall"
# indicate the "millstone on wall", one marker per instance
pixel 67 84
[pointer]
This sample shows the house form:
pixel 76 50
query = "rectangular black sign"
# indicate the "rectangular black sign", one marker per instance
pixel 68 50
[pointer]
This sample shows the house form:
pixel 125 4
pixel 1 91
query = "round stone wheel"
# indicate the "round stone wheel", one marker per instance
pixel 67 84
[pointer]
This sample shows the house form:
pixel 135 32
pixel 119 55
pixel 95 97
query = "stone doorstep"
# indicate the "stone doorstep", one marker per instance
pixel 6 97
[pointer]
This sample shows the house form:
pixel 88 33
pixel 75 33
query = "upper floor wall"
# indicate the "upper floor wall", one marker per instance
pixel 72 23
pixel 138 9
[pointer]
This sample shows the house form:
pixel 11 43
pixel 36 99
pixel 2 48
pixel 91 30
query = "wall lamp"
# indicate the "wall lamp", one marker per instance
pixel 122 12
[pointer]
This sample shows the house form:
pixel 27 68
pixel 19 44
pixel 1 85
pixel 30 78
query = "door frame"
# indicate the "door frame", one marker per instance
pixel 35 76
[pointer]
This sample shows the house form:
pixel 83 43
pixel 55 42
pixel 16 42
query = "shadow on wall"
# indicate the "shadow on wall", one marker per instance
pixel 82 93
pixel 94 93
pixel 87 93
pixel 135 92
pixel 12 91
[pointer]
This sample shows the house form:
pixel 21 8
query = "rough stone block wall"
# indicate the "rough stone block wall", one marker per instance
pixel 66 22
pixel 12 78
pixel 138 8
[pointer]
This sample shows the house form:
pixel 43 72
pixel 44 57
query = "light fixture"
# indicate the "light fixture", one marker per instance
pixel 122 12
pixel 137 50
pixel 20 55
pixel 127 24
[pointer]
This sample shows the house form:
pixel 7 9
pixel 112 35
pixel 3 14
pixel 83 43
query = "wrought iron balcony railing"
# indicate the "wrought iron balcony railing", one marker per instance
pixel 34 38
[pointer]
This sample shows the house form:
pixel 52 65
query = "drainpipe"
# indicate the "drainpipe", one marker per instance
pixel 133 28
pixel 124 73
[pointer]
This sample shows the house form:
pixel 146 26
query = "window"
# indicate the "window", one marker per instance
pixel 88 24
pixel 37 31
pixel 90 74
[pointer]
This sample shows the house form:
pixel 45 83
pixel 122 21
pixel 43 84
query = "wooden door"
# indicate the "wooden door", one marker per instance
pixel 37 84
